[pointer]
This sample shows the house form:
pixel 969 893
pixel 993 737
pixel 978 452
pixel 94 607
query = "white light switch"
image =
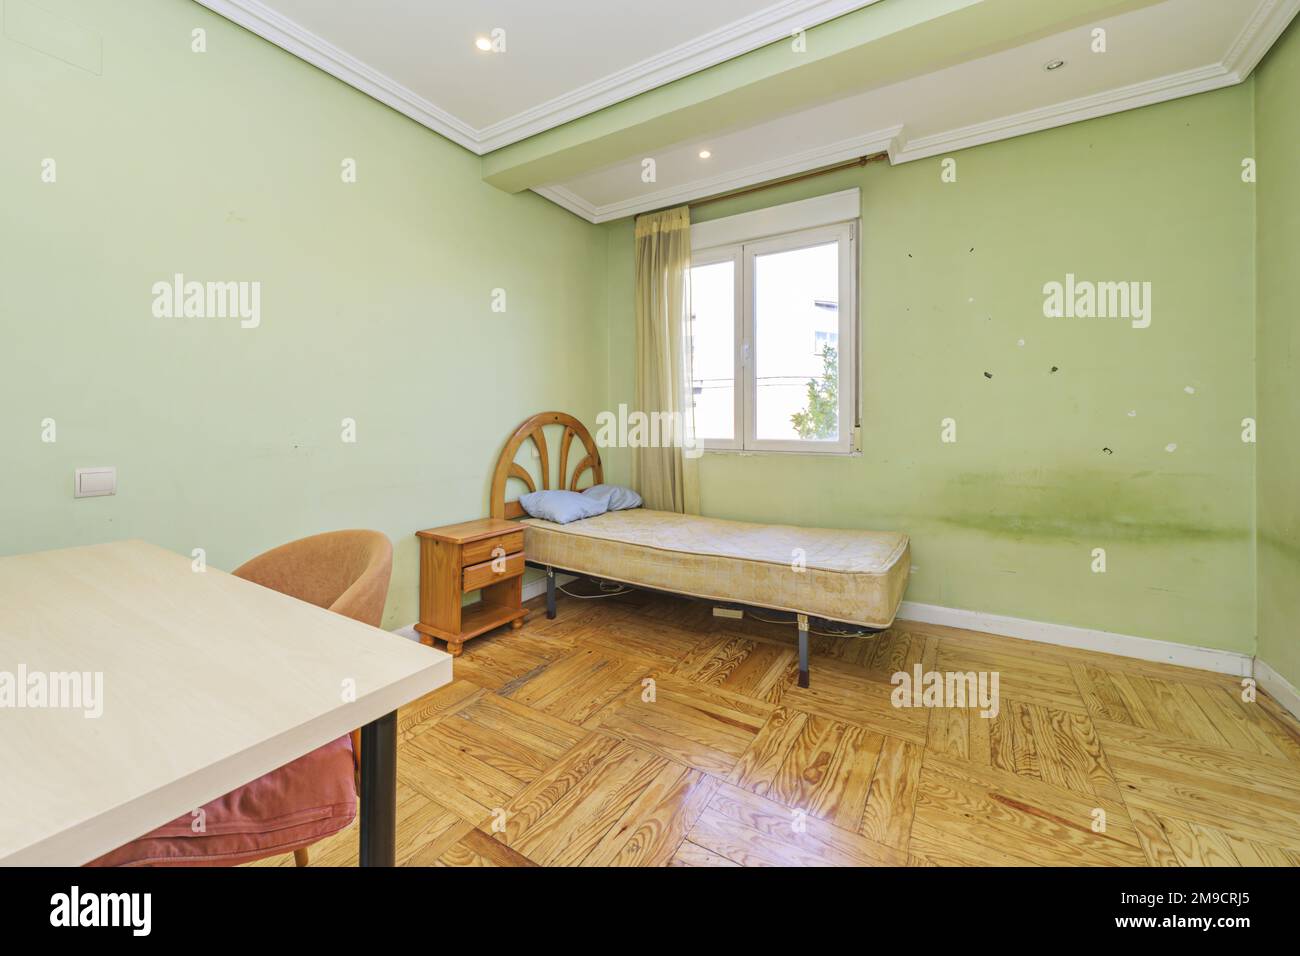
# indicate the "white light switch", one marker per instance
pixel 93 482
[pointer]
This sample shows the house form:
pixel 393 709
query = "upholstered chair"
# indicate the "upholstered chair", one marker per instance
pixel 315 796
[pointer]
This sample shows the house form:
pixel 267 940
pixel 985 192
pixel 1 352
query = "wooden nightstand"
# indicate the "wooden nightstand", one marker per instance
pixel 486 555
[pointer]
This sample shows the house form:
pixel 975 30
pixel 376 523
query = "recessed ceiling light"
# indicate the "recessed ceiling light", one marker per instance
pixel 705 154
pixel 483 43
pixel 1052 65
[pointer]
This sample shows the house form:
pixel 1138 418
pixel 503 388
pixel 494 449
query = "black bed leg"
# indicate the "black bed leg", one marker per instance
pixel 803 650
pixel 550 593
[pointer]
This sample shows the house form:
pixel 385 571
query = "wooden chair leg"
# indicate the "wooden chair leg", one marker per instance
pixel 300 856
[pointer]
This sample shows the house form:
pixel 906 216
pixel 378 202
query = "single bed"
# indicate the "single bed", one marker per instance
pixel 857 577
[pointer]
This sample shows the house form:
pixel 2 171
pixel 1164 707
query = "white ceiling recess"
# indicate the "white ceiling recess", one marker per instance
pixel 1172 49
pixel 566 58
pixel 569 58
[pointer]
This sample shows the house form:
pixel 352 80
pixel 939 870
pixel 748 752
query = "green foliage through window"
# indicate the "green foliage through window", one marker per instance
pixel 820 420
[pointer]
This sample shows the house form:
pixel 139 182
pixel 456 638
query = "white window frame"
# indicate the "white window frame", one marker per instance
pixel 711 257
pixel 740 239
pixel 843 234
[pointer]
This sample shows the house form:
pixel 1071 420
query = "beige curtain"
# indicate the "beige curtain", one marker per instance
pixel 665 469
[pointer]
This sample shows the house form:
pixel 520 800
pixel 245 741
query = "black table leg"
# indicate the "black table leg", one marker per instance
pixel 379 791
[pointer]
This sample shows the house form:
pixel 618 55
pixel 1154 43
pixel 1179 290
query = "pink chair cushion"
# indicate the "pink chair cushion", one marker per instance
pixel 291 807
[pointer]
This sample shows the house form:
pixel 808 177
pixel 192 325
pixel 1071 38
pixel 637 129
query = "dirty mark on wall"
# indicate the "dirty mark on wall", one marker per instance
pixel 1083 505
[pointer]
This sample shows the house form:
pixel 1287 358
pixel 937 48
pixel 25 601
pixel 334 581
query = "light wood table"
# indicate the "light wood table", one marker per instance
pixel 209 681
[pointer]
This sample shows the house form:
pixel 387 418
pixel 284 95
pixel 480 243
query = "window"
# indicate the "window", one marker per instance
pixel 774 364
pixel 715 290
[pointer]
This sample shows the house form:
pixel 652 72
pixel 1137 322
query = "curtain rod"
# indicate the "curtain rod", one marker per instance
pixel 735 193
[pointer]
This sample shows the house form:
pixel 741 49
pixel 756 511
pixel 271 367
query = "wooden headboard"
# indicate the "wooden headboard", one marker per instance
pixel 508 468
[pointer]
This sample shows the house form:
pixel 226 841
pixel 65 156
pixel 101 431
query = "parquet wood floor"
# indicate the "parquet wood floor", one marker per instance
pixel 641 731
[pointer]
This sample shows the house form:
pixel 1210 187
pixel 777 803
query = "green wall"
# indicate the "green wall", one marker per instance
pixel 376 306
pixel 1004 520
pixel 376 299
pixel 1277 135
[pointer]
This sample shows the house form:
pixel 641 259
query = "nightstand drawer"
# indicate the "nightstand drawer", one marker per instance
pixel 481 575
pixel 476 552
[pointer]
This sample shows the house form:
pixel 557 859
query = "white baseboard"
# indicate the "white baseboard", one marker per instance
pixel 1082 638
pixel 1278 687
pixel 1062 635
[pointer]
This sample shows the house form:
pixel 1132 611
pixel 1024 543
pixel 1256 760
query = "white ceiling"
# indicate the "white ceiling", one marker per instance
pixel 567 58
pixel 1160 52
pixel 564 58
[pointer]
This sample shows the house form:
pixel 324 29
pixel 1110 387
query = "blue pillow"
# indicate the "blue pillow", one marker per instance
pixel 616 497
pixel 561 506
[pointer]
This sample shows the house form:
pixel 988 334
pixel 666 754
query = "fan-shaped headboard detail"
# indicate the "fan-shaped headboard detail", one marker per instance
pixel 508 468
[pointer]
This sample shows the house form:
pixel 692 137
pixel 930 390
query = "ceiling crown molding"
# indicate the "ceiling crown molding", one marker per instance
pixel 1146 93
pixel 1259 34
pixel 258 18
pixel 570 201
pixel 773 23
pixel 1261 31
pixel 902 149
pixel 879 141
pixel 777 22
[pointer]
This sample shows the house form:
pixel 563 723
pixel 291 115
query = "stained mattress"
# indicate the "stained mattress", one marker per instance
pixel 843 575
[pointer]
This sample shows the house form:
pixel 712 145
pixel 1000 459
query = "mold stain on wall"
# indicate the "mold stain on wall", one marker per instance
pixel 1081 506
